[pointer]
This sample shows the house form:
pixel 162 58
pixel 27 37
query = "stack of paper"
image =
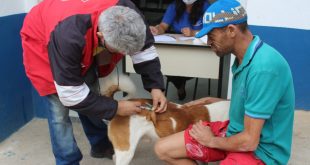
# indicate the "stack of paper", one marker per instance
pixel 164 38
pixel 186 38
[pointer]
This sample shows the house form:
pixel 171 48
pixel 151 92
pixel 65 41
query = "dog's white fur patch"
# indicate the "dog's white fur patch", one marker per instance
pixel 174 123
pixel 178 105
pixel 219 111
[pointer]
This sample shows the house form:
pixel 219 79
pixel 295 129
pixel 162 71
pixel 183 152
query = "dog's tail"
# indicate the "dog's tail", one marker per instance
pixel 117 82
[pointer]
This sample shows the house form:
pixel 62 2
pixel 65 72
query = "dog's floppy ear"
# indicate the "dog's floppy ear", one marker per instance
pixel 151 117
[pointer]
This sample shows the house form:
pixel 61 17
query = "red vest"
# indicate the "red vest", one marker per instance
pixel 38 25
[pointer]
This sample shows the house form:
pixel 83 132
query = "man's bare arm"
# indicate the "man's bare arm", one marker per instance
pixel 247 140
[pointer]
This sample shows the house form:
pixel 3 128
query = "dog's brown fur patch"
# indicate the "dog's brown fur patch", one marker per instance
pixel 120 140
pixel 184 116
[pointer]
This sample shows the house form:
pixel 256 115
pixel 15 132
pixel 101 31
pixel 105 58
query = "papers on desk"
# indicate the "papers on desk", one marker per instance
pixel 180 39
pixel 169 38
pixel 186 38
pixel 164 38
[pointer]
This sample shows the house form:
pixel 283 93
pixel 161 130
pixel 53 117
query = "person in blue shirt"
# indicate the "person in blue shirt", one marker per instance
pixel 185 17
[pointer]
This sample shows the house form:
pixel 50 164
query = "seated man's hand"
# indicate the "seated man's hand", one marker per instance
pixel 159 101
pixel 127 108
pixel 203 101
pixel 202 134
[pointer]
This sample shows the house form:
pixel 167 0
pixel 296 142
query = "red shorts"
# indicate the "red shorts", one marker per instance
pixel 202 153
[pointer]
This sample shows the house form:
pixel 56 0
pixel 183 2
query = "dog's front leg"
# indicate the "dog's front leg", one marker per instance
pixel 125 143
pixel 123 157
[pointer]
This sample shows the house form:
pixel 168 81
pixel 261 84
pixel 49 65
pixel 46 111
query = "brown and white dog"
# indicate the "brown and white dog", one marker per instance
pixel 126 132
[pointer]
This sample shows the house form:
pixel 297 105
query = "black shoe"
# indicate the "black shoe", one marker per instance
pixel 182 93
pixel 98 152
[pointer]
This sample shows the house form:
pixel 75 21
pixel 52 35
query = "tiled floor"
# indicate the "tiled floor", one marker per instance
pixel 31 146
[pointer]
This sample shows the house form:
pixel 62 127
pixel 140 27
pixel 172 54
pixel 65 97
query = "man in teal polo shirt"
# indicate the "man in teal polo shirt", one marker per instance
pixel 262 103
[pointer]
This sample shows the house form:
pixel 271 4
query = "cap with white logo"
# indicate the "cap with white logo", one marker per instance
pixel 220 14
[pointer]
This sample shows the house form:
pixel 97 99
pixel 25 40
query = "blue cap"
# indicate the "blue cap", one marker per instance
pixel 220 14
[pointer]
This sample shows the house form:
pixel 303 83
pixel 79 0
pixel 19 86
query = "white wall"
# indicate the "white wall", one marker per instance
pixel 279 13
pixel 28 4
pixel 9 7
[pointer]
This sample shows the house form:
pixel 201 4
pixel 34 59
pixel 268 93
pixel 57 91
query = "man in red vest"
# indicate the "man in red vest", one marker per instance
pixel 60 39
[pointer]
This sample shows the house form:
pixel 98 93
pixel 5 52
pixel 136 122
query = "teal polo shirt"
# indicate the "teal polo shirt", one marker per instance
pixel 262 88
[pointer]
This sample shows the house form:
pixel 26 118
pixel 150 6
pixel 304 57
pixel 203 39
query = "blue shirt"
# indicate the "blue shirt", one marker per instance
pixel 170 14
pixel 263 88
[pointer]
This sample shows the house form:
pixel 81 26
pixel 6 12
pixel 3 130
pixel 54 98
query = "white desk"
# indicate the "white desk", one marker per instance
pixel 184 58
